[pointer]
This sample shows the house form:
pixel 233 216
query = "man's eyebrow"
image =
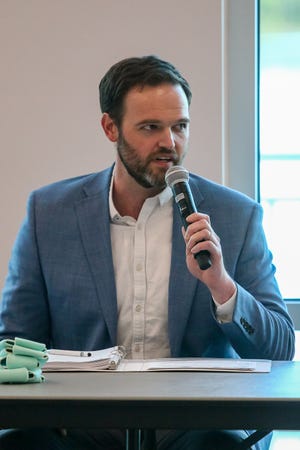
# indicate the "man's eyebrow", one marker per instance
pixel 183 120
pixel 155 121
pixel 142 122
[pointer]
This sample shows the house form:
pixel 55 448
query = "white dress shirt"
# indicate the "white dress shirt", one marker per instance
pixel 142 258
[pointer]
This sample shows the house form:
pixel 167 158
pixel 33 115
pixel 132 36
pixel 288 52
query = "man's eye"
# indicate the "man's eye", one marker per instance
pixel 150 127
pixel 181 126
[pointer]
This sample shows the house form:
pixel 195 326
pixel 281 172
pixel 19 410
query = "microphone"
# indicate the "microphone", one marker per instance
pixel 177 179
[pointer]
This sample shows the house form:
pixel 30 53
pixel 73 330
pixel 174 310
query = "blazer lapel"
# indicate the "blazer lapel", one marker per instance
pixel 93 219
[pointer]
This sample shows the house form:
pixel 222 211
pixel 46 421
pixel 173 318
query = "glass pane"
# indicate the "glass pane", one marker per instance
pixel 280 136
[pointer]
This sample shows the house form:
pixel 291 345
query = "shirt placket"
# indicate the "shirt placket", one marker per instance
pixel 140 283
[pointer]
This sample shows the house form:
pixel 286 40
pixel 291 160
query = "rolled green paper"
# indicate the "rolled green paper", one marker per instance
pixel 18 350
pixel 30 344
pixel 20 375
pixel 6 344
pixel 17 361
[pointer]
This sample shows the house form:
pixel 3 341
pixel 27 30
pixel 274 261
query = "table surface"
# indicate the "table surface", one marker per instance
pixel 157 400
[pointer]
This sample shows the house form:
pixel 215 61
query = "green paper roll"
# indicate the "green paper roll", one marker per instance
pixel 17 361
pixel 20 375
pixel 6 344
pixel 18 350
pixel 30 344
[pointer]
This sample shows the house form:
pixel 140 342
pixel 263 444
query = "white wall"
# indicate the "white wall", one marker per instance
pixel 53 54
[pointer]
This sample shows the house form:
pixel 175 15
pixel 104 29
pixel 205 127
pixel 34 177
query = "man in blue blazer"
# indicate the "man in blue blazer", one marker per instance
pixel 103 259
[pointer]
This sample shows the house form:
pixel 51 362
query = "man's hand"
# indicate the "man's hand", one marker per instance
pixel 198 236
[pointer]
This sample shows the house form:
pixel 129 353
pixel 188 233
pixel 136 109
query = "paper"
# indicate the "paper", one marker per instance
pixel 195 364
pixel 113 359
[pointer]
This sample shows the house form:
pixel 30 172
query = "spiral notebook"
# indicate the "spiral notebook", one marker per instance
pixel 113 359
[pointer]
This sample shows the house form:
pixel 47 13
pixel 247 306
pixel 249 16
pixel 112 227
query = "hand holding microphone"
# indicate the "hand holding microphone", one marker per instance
pixel 177 179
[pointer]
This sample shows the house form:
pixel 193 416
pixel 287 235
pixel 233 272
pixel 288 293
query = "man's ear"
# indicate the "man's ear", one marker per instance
pixel 110 128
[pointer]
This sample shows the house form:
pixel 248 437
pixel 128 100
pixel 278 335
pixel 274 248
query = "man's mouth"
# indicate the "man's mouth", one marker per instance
pixel 164 158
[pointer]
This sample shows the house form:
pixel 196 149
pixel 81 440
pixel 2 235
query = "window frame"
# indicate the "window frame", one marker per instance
pixel 241 103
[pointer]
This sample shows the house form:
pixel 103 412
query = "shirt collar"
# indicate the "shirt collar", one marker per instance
pixel 162 199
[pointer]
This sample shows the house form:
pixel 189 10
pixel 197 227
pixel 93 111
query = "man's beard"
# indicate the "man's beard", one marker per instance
pixel 140 170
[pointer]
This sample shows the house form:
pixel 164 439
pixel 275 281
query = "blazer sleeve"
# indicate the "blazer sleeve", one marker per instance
pixel 261 326
pixel 24 309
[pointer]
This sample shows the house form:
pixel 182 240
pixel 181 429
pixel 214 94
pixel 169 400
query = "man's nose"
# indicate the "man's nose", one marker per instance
pixel 167 139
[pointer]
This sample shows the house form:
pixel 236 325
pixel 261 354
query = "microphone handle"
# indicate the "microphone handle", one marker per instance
pixel 186 205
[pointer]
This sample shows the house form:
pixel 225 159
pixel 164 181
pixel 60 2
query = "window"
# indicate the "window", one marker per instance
pixel 279 136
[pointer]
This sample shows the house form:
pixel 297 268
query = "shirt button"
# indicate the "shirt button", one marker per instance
pixel 139 267
pixel 138 308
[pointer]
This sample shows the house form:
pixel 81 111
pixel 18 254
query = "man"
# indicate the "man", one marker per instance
pixel 102 259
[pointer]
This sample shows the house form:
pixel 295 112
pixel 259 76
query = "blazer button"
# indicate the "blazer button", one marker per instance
pixel 246 325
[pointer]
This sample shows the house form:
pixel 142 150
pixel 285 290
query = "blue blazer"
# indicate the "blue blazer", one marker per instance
pixel 60 288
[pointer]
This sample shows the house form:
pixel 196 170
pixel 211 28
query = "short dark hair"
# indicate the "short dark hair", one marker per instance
pixel 138 71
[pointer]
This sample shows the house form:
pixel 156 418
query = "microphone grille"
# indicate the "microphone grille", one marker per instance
pixel 176 174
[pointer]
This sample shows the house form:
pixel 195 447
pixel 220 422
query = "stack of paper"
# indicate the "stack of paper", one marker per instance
pixel 114 359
